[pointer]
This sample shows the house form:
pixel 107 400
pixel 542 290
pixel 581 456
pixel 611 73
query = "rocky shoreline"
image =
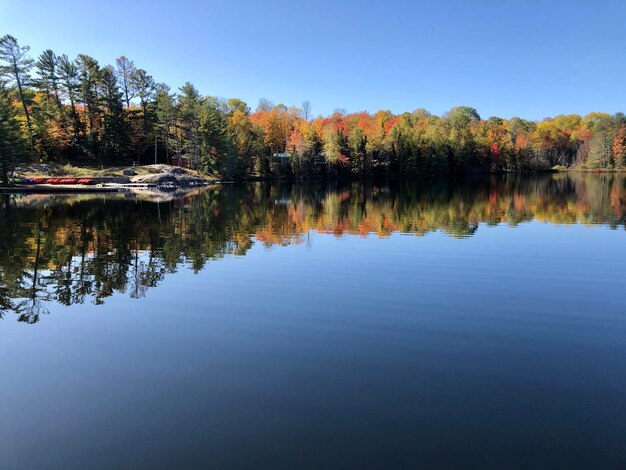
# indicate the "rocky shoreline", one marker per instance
pixel 52 178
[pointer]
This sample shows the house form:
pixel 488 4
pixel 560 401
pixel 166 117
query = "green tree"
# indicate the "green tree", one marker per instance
pixel 235 104
pixel 166 113
pixel 114 130
pixel 189 112
pixel 16 69
pixel 70 85
pixel 601 142
pixel 144 86
pixel 462 145
pixel 89 75
pixel 12 145
pixel 217 152
pixel 358 142
pixel 49 115
pixel 48 76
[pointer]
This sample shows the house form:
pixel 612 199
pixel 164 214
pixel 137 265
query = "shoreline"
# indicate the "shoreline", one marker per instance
pixel 114 186
pixel 77 188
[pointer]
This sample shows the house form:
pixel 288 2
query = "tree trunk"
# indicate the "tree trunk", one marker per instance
pixel 26 112
pixel 144 106
pixel 5 173
pixel 167 148
pixel 56 96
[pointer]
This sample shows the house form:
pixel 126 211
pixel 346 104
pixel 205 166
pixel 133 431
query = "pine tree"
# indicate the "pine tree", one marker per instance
pixel 16 68
pixel 144 86
pixel 48 76
pixel 165 112
pixel 189 110
pixel 12 145
pixel 49 120
pixel 89 76
pixel 70 85
pixel 216 149
pixel 114 132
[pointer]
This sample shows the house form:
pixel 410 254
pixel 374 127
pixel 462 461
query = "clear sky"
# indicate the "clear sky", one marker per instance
pixel 526 58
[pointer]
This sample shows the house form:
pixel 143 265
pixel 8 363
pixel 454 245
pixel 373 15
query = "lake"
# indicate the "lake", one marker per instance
pixel 404 324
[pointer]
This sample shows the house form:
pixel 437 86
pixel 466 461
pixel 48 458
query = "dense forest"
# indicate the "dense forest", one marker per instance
pixel 74 249
pixel 74 110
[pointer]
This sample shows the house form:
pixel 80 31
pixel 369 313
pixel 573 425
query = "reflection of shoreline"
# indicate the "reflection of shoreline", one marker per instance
pixel 154 195
pixel 72 249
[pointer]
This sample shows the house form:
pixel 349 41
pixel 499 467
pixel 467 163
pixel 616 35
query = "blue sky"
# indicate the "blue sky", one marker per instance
pixel 526 58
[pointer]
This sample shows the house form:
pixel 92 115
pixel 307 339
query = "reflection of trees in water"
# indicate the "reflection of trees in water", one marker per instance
pixel 34 292
pixel 78 249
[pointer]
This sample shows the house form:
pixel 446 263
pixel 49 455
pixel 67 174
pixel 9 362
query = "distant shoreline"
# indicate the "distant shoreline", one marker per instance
pixel 163 181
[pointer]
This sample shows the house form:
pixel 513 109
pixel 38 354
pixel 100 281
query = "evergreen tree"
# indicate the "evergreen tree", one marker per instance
pixel 144 86
pixel 52 140
pixel 216 149
pixel 89 76
pixel 12 145
pixel 189 112
pixel 114 132
pixel 70 85
pixel 15 69
pixel 48 79
pixel 166 113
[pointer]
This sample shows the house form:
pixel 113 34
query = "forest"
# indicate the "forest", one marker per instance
pixel 54 108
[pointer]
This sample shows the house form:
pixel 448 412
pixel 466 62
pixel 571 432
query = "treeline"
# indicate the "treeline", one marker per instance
pixel 56 108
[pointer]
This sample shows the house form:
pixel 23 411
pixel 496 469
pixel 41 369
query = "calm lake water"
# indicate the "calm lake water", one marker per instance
pixel 429 324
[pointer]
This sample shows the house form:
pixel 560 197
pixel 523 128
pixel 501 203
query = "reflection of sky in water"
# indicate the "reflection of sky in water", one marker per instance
pixel 426 350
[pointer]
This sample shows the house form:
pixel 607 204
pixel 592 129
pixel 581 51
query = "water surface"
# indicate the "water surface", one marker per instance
pixel 459 324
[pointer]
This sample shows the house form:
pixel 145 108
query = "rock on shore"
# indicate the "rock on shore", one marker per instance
pixel 169 175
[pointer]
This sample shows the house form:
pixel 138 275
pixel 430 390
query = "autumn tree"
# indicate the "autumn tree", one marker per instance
pixel 275 125
pixel 301 149
pixel 619 147
pixel 521 135
pixel 246 137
